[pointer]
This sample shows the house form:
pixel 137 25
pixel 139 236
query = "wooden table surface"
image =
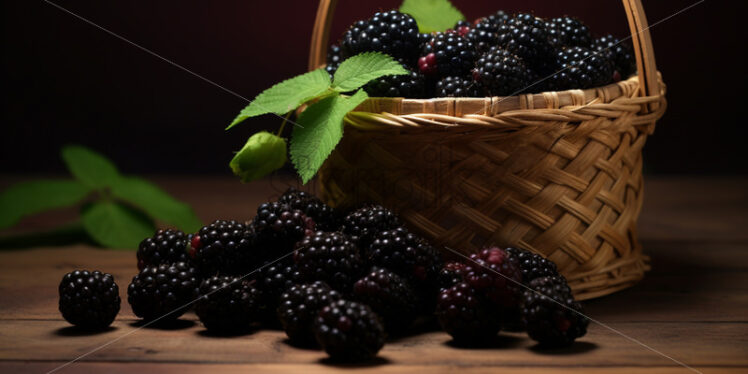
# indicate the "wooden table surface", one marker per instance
pixel 692 306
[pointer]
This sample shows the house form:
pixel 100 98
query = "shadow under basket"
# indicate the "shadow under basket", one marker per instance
pixel 557 173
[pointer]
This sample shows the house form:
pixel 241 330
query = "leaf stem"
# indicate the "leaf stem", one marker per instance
pixel 283 124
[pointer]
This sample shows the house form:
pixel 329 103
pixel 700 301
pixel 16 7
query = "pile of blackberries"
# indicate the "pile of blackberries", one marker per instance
pixel 498 55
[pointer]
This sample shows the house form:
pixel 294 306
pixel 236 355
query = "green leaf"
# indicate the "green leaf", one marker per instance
pixel 323 129
pixel 432 15
pixel 115 225
pixel 261 155
pixel 89 167
pixel 287 95
pixel 156 202
pixel 28 198
pixel 362 68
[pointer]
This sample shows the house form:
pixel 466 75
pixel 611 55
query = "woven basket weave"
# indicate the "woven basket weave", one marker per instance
pixel 558 173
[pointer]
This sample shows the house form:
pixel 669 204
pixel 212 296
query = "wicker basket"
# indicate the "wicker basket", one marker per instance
pixel 558 173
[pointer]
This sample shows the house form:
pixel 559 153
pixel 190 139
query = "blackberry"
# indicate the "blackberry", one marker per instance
pixel 568 32
pixel 527 37
pixel 299 306
pixel 447 54
pixel 457 87
pixel 620 52
pixel 466 316
pixel 349 331
pixel 275 278
pixel 500 73
pixel 164 247
pixel 497 19
pixel 225 247
pixel 393 33
pixel 279 227
pixel 334 58
pixel 462 27
pixel 228 304
pixel 362 224
pixel 495 274
pixel 451 274
pixel 89 300
pixel 390 296
pixel 163 291
pixel 551 315
pixel 581 68
pixel 483 35
pixel 330 257
pixel 411 85
pixel 325 218
pixel 532 264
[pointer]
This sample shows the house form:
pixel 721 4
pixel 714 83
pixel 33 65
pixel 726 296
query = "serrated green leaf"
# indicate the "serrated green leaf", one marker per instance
pixel 286 96
pixel 358 70
pixel 261 155
pixel 89 167
pixel 115 225
pixel 432 15
pixel 322 130
pixel 156 202
pixel 28 198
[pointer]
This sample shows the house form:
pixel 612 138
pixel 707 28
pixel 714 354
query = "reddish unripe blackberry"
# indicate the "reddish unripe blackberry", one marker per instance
pixel 299 306
pixel 527 37
pixel 447 54
pixel 163 291
pixel 390 296
pixel 349 331
pixel 500 73
pixel 325 218
pixel 461 27
pixel 581 68
pixel 225 247
pixel 551 315
pixel 532 264
pixel 392 32
pixel 466 316
pixel 457 87
pixel 229 305
pixel 495 274
pixel 568 32
pixel 89 300
pixel 363 224
pixel 620 52
pixel 279 227
pixel 164 247
pixel 330 257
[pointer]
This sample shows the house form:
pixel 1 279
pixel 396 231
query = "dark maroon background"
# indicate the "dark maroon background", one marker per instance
pixel 66 81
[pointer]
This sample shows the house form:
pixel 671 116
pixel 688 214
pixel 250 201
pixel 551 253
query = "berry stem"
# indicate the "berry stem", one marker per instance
pixel 283 124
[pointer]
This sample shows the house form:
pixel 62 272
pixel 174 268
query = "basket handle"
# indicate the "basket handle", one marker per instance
pixel 642 41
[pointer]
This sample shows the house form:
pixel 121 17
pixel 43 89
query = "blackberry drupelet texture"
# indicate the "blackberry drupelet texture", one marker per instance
pixel 447 54
pixel 363 224
pixel 392 32
pixel 466 316
pixel 532 264
pixel 497 19
pixel 390 296
pixel 275 278
pixel 581 68
pixel 225 247
pixel 299 306
pixel 451 274
pixel 527 37
pixel 568 32
pixel 483 35
pixel 229 305
pixel 457 87
pixel 349 331
pixel 334 58
pixel 163 291
pixel 164 247
pixel 89 300
pixel 495 274
pixel 279 227
pixel 411 85
pixel 620 52
pixel 547 322
pixel 500 73
pixel 330 257
pixel 325 218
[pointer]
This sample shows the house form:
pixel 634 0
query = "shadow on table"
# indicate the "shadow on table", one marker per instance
pixel 232 334
pixel 374 362
pixel 311 346
pixel 498 342
pixel 177 324
pixel 77 331
pixel 576 348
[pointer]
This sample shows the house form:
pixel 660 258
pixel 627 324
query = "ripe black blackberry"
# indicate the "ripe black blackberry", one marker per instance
pixel 568 32
pixel 229 305
pixel 581 68
pixel 495 274
pixel 547 322
pixel 390 296
pixel 363 224
pixel 451 274
pixel 330 257
pixel 325 218
pixel 276 278
pixel 447 54
pixel 225 247
pixel 89 300
pixel 457 87
pixel 299 306
pixel 527 37
pixel 334 58
pixel 411 85
pixel 532 264
pixel 164 247
pixel 620 52
pixel 497 19
pixel 349 331
pixel 500 73
pixel 466 316
pixel 279 227
pixel 393 33
pixel 163 291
